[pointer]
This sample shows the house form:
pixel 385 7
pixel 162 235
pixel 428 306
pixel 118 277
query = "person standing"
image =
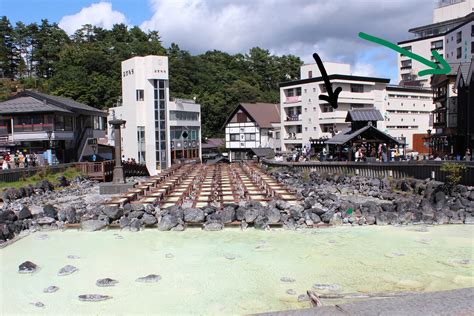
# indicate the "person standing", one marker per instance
pixel 467 156
pixel 384 153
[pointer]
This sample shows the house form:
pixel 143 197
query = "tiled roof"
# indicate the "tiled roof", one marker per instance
pixel 213 143
pixel 264 114
pixel 66 103
pixel 264 152
pixel 364 115
pixel 346 135
pixel 28 104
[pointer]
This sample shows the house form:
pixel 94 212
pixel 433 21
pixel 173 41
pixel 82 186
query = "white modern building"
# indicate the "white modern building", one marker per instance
pixel 304 117
pixel 251 126
pixel 158 130
pixel 451 34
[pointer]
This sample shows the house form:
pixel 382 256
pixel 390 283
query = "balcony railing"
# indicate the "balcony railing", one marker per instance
pixel 293 99
pixel 293 118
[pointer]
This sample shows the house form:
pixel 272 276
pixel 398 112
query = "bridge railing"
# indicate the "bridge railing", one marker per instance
pixel 398 170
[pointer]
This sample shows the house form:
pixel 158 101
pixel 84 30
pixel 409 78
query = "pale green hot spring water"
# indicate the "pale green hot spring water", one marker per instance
pixel 231 271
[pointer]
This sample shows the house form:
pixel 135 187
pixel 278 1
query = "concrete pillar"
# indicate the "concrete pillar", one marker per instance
pixel 118 176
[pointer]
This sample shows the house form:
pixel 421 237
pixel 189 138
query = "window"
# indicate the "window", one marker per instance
pixel 458 52
pixel 298 91
pixel 314 89
pixel 472 30
pixel 277 135
pixel 305 90
pixel 140 95
pixel 314 128
pixel 250 136
pixel 241 118
pixel 458 37
pixel 327 128
pixel 184 116
pixel 406 64
pixel 326 108
pixel 310 74
pixel 472 47
pixel 408 48
pixel 357 88
pixel 437 45
pixel 323 88
pixel 234 137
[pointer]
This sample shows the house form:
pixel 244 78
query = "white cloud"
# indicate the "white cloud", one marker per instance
pixel 97 14
pixel 363 69
pixel 299 27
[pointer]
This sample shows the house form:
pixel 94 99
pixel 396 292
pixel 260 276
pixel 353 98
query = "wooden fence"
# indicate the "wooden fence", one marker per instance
pixel 100 171
pixel 398 170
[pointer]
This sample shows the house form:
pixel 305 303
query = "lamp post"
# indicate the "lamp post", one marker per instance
pixel 429 142
pixel 50 145
pixel 118 176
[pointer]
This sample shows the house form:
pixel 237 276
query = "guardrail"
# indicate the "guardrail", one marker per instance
pixel 12 175
pixel 399 170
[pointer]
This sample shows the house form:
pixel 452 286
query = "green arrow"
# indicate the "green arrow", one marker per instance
pixel 442 68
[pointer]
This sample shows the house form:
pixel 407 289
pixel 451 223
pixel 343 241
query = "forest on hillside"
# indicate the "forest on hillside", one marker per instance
pixel 86 67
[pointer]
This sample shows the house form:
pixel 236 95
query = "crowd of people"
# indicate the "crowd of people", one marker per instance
pixel 20 160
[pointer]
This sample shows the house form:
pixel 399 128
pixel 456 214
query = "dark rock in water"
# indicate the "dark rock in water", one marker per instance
pixel 92 225
pixel 287 279
pixel 149 278
pixel 229 257
pixel 291 292
pixel 24 213
pixel 149 219
pixel 169 255
pixel 27 267
pixel 50 211
pixel 45 220
pixel 167 222
pixel 303 298
pixel 106 282
pixel 93 297
pixel 73 257
pixel 66 270
pixel 38 304
pixel 193 215
pixel 51 289
pixel 213 226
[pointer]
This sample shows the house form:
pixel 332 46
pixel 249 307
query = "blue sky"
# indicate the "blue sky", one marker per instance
pixel 299 27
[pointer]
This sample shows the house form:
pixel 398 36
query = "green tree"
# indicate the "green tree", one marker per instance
pixel 9 56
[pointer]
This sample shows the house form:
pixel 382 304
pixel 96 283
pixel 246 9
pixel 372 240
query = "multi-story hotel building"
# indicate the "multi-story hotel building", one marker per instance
pixel 304 117
pixel 158 130
pixel 451 34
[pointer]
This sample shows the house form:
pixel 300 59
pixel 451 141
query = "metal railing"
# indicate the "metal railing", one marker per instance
pixel 398 170
pixel 17 174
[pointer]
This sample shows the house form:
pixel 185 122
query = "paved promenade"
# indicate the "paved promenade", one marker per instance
pixel 454 302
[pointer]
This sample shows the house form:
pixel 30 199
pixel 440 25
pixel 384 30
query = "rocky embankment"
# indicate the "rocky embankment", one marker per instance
pixel 325 199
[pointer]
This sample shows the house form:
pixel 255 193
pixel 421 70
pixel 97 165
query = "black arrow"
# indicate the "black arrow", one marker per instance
pixel 331 98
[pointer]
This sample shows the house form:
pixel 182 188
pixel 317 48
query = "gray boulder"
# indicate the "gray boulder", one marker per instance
pixel 124 222
pixel 45 220
pixel 92 225
pixel 167 222
pixel 151 278
pixel 27 267
pixel 71 215
pixel 113 212
pixel 213 226
pixel 227 214
pixel 107 282
pixel 24 213
pixel 252 213
pixel 149 219
pixel 273 215
pixel 93 297
pixel 50 211
pixel 50 289
pixel 67 270
pixel 193 215
pixel 135 224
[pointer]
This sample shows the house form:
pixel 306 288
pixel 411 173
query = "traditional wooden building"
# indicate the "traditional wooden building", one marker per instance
pixel 34 122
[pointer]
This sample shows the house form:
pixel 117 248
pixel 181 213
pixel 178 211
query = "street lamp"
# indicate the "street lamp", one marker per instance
pixel 50 135
pixel 429 142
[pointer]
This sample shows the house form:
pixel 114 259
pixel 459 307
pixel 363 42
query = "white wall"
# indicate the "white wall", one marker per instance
pixel 465 44
pixel 453 11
